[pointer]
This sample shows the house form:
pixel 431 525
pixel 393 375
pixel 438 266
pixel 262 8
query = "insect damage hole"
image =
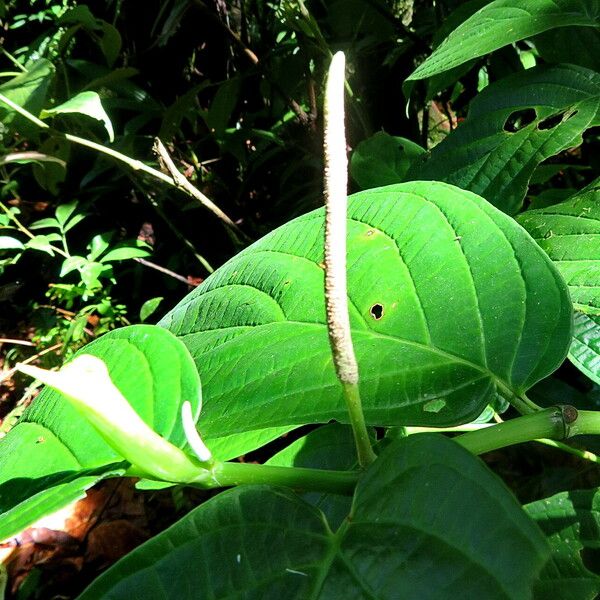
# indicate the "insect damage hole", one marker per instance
pixel 519 119
pixel 376 311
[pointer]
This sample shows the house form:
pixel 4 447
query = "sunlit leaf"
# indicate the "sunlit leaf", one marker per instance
pixel 84 103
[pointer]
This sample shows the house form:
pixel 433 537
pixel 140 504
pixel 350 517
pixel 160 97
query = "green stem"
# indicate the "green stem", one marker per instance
pixel 229 473
pixel 583 454
pixel 364 450
pixel 524 405
pixel 521 402
pixel 587 423
pixel 555 422
pixel 13 60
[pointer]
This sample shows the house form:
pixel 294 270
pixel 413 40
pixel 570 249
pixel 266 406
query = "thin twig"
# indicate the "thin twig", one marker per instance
pixel 164 270
pixel 583 454
pixel 336 294
pixel 8 374
pixel 16 221
pixel 17 342
pixel 182 183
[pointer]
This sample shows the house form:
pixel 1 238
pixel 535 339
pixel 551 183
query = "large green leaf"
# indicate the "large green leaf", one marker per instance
pixel 569 233
pixel 571 521
pixel 504 22
pixel 429 521
pixel 512 126
pixel 451 302
pixel 53 454
pixel 585 347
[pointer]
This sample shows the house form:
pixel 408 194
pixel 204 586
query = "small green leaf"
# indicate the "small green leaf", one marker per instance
pixel 382 159
pixel 124 254
pixel 224 101
pixel 513 125
pixel 110 42
pixel 74 220
pixel 24 501
pixel 585 347
pixel 48 222
pixel 81 15
pixel 98 245
pixel 42 243
pixel 71 263
pixel 91 273
pixel 85 103
pixel 10 243
pixel 65 211
pixel 570 520
pixel 149 307
pixel 504 22
pixel 260 542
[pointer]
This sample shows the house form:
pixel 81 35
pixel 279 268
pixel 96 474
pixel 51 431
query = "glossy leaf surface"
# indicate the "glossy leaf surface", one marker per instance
pixel 512 126
pixel 382 159
pixel 29 91
pixel 571 521
pixel 84 103
pixel 503 22
pixel 437 328
pixel 569 233
pixel 585 347
pixel 53 453
pixel 429 519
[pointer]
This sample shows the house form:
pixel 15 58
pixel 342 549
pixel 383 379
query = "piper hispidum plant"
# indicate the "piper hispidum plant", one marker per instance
pixel 439 337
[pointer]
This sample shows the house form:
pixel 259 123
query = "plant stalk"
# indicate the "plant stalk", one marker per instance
pixel 559 422
pixel 224 474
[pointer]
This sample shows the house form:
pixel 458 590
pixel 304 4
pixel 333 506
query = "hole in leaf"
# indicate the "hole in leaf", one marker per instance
pixel 519 119
pixel 551 122
pixel 376 311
